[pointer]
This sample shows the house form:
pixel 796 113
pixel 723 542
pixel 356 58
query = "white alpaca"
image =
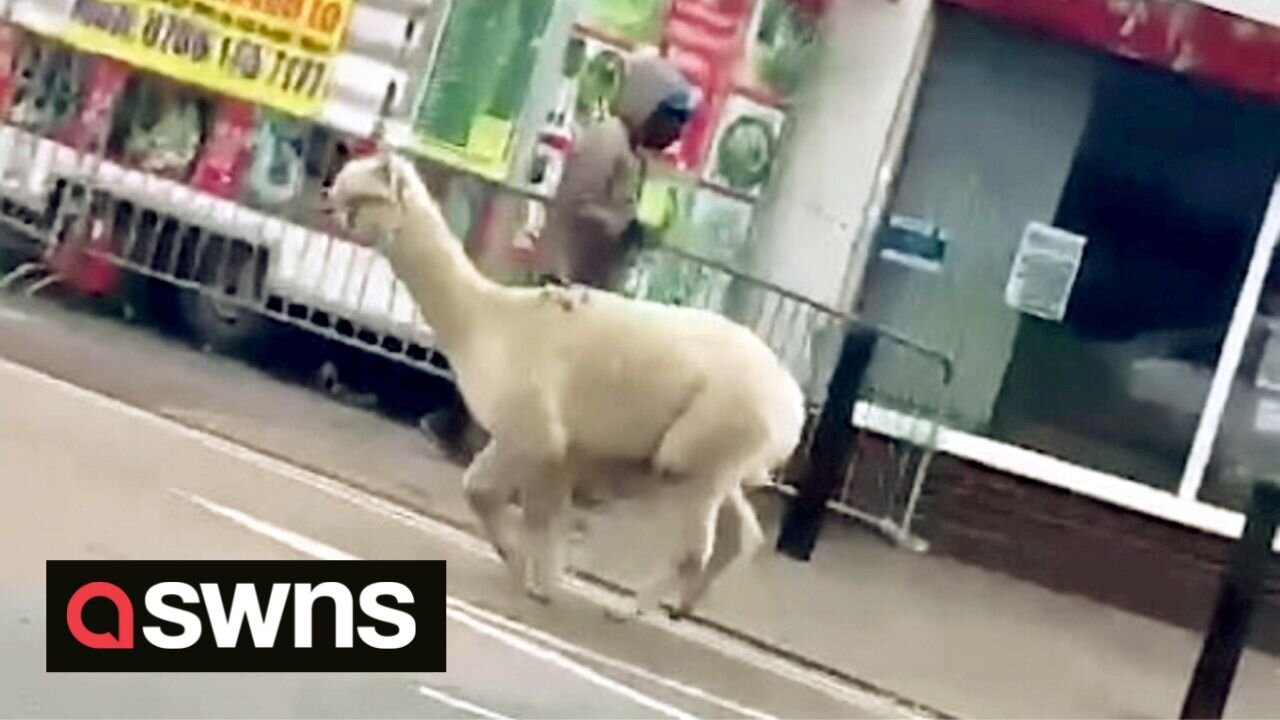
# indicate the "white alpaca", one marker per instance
pixel 569 382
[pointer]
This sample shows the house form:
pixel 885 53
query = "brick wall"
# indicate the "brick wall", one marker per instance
pixel 1070 543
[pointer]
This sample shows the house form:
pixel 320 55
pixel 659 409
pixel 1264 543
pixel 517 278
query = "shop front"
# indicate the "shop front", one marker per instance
pixel 1099 184
pixel 241 114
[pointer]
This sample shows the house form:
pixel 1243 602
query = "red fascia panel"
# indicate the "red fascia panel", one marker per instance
pixel 1178 35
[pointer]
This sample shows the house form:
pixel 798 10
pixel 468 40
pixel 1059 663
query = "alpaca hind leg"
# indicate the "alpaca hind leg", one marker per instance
pixel 488 485
pixel 704 448
pixel 738 536
pixel 546 495
pixel 696 533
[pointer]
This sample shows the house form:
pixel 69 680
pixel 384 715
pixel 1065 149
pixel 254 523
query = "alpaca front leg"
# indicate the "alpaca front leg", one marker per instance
pixel 488 485
pixel 546 496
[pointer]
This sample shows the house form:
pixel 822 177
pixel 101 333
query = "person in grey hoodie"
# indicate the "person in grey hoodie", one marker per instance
pixel 592 228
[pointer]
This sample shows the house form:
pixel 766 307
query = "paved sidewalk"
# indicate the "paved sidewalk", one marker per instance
pixel 962 640
pixel 957 638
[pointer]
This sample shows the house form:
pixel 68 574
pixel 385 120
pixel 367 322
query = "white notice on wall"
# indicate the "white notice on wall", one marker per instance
pixel 1267 420
pixel 1044 271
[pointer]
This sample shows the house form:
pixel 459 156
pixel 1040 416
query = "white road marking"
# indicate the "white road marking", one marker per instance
pixel 14 315
pixel 284 536
pixel 592 656
pixel 564 662
pixel 729 647
pixel 459 704
pixel 321 551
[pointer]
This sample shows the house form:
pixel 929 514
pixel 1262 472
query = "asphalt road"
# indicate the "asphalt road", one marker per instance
pixel 86 476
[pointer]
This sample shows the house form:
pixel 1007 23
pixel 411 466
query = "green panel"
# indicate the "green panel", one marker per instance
pixel 636 20
pixel 480 81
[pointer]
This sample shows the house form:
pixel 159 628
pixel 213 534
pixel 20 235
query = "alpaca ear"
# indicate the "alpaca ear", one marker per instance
pixel 385 172
pixel 393 173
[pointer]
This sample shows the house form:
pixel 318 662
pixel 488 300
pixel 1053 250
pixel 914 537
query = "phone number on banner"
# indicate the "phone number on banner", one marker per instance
pixel 223 55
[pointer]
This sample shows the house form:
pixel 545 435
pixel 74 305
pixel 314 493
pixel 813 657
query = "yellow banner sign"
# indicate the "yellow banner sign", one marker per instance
pixel 271 52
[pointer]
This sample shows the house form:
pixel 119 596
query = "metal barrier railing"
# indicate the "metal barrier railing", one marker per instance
pixel 804 332
pixel 237 259
pixel 242 231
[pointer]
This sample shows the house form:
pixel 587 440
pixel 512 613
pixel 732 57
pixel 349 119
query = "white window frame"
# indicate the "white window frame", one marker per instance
pixel 1246 311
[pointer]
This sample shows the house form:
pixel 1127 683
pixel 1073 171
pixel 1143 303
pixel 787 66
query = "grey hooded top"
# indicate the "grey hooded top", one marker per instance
pixel 599 190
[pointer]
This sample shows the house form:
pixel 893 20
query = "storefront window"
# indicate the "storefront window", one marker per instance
pixel 1097 217
pixel 996 125
pixel 1169 186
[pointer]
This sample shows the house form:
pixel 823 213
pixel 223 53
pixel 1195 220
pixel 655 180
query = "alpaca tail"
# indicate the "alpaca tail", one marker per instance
pixel 758 479
pixel 767 472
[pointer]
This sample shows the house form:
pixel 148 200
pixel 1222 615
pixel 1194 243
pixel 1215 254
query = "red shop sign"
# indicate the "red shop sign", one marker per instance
pixel 707 40
pixel 220 170
pixel 1178 35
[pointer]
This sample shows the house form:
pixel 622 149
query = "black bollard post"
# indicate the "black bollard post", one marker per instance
pixel 1225 640
pixel 832 445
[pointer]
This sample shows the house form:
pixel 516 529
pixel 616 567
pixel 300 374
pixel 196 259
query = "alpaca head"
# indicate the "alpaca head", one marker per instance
pixel 369 194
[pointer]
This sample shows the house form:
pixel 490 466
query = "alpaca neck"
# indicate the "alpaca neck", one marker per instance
pixel 432 263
